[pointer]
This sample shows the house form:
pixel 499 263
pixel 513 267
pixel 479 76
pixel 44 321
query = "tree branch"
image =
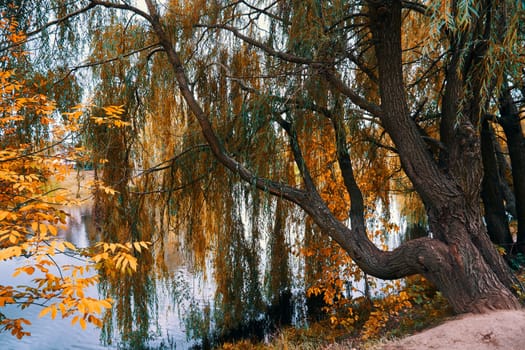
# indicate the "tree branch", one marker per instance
pixel 415 6
pixel 124 6
pixel 49 24
pixel 297 154
pixel 279 189
pixel 109 60
pixel 345 164
pixel 358 100
pixel 62 19
pixel 285 56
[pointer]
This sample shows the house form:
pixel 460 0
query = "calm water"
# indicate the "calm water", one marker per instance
pixel 59 334
pixel 167 330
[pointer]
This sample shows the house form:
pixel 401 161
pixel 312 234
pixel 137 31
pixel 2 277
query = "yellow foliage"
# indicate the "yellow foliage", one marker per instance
pixel 30 216
pixel 384 309
pixel 15 326
pixel 117 257
pixel 113 117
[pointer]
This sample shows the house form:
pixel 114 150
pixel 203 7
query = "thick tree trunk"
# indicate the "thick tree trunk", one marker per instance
pixel 457 267
pixel 472 275
pixel 484 277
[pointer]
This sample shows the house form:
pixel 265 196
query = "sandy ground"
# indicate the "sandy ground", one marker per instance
pixel 497 330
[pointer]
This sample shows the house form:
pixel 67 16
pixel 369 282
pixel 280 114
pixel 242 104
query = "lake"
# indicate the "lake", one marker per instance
pixel 58 334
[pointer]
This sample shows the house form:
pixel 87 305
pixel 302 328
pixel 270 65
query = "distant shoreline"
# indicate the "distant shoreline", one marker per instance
pixel 79 185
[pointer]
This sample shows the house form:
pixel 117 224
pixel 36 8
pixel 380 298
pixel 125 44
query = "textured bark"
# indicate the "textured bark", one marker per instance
pixel 510 121
pixel 473 277
pixel 491 193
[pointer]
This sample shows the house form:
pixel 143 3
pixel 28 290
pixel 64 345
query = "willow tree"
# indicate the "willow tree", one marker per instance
pixel 268 81
pixel 320 48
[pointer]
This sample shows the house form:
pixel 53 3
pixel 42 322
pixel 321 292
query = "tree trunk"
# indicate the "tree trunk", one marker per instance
pixel 485 281
pixel 457 267
pixel 510 121
pixel 491 193
pixel 472 275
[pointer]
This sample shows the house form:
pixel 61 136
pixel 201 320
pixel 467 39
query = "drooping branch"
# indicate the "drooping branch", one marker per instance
pixel 293 194
pixel 285 56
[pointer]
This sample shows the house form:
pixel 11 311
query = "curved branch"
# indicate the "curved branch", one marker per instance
pixel 293 194
pixel 47 25
pixel 62 19
pixel 285 56
pixel 124 6
pixel 358 100
pixel 109 60
pixel 162 165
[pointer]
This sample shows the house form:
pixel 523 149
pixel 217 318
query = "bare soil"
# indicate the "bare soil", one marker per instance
pixel 496 330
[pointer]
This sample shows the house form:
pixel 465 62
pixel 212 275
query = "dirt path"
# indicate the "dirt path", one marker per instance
pixel 503 330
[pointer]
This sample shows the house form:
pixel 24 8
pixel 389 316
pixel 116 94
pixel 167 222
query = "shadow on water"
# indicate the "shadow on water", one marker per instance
pixel 274 317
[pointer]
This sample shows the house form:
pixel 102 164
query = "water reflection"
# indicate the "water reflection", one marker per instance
pixel 48 334
pixel 166 332
pixel 258 284
pixel 81 230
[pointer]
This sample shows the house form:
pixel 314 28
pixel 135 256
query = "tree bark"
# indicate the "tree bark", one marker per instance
pixel 476 278
pixel 510 121
pixel 491 193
